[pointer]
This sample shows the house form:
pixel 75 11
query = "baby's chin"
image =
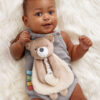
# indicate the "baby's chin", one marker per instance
pixel 44 31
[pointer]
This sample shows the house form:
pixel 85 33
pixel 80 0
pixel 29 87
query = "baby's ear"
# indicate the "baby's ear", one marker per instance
pixel 25 20
pixel 50 38
pixel 28 45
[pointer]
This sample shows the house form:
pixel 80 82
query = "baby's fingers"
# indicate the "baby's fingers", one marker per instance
pixel 85 40
pixel 25 34
pixel 81 38
pixel 27 40
pixel 89 42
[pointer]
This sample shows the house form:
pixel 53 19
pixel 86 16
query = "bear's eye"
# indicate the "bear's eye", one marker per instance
pixel 35 49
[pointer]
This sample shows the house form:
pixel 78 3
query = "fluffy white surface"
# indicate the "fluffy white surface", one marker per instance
pixel 77 17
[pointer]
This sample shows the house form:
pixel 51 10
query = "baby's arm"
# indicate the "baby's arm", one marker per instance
pixel 17 51
pixel 77 51
pixel 17 46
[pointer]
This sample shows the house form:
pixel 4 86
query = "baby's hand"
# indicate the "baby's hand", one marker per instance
pixel 24 37
pixel 85 42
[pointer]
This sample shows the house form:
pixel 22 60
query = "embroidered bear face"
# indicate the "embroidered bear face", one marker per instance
pixel 41 47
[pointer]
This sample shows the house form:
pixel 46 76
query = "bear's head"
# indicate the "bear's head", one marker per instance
pixel 41 47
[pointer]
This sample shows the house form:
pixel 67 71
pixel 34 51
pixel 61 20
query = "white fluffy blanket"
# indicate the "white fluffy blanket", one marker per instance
pixel 77 17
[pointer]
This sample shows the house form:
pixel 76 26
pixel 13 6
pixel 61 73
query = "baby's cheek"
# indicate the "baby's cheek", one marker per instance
pixel 55 21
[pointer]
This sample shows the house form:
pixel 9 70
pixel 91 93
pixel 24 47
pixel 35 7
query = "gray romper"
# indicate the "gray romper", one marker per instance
pixel 60 49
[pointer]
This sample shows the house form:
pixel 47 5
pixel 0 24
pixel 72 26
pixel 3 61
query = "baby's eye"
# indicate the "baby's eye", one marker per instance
pixel 51 12
pixel 38 14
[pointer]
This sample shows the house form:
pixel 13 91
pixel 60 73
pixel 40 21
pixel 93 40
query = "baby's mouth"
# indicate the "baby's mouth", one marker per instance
pixel 48 25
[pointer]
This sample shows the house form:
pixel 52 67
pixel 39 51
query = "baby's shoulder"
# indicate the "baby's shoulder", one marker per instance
pixel 65 36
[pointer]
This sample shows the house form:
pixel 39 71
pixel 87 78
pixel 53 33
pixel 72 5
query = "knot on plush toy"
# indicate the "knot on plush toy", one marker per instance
pixel 50 78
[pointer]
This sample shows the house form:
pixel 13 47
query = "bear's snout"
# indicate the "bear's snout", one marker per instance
pixel 42 52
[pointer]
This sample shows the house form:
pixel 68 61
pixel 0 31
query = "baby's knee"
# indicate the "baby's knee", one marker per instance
pixel 78 94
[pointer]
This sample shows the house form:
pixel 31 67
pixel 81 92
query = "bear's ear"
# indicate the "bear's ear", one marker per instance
pixel 50 38
pixel 28 45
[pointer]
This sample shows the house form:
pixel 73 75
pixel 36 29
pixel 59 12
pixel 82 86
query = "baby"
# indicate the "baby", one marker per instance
pixel 40 17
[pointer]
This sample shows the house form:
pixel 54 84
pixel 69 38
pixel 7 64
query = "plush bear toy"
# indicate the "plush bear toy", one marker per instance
pixel 50 74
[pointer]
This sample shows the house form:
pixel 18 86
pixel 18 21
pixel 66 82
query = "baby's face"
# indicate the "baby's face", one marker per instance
pixel 41 16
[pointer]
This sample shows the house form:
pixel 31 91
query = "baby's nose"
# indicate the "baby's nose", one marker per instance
pixel 46 17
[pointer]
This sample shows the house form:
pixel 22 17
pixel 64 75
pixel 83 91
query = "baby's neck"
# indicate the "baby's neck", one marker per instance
pixel 42 33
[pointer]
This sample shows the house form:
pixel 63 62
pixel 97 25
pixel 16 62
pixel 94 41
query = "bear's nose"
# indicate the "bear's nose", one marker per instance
pixel 41 49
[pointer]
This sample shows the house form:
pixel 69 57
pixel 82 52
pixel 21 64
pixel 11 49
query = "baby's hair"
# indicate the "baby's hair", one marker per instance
pixel 25 6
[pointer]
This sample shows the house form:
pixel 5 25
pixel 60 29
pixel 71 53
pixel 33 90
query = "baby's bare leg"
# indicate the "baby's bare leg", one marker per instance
pixel 78 94
pixel 36 99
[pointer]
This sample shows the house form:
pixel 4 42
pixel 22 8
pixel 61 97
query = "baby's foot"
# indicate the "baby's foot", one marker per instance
pixel 64 92
pixel 53 96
